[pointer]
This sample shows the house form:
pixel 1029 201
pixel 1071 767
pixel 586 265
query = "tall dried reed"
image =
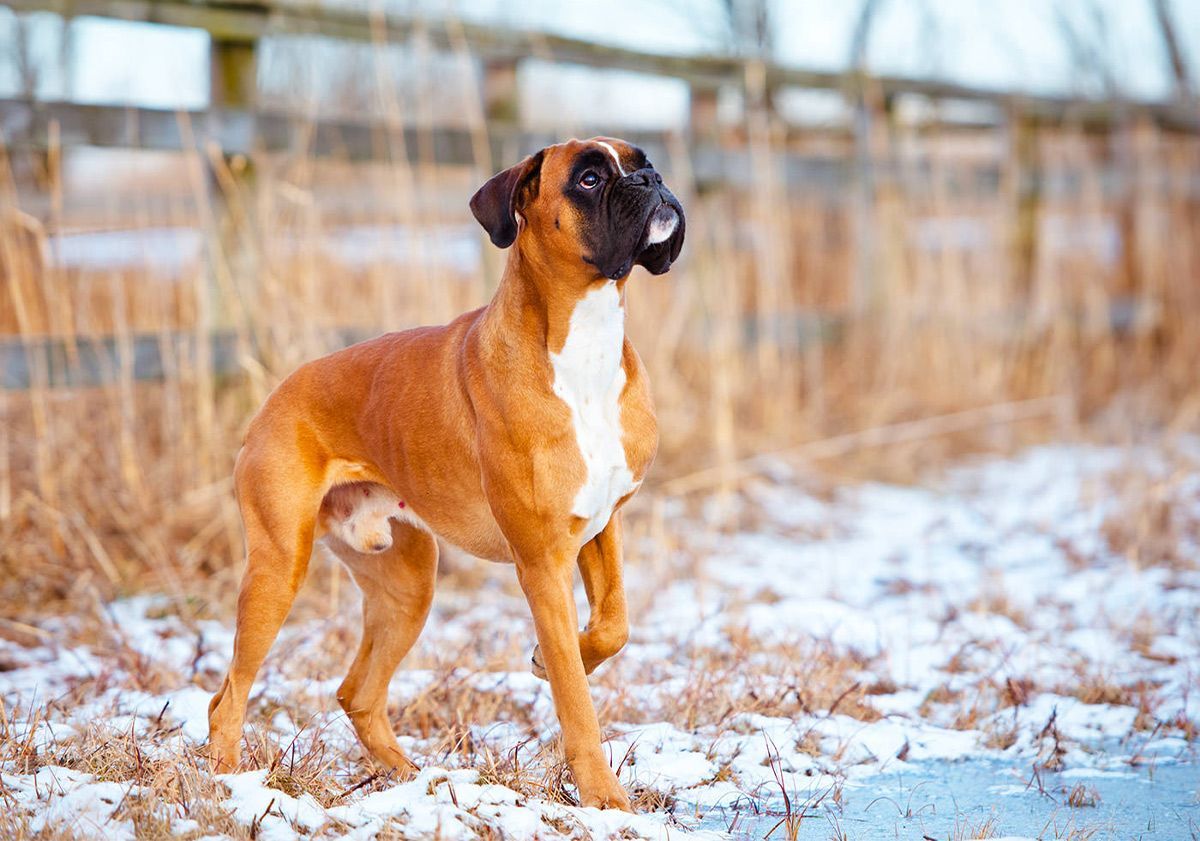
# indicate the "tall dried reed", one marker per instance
pixel 976 267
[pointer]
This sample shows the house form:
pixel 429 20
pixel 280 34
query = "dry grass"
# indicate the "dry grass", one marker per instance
pixel 756 341
pixel 158 790
pixel 724 688
pixel 776 680
pixel 172 781
pixel 123 486
pixel 1083 797
pixel 1151 520
pixel 969 830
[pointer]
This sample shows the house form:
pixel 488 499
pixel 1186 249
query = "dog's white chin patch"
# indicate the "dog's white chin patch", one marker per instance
pixel 662 226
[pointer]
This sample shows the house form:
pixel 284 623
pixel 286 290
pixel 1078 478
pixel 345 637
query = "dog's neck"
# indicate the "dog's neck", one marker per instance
pixel 532 300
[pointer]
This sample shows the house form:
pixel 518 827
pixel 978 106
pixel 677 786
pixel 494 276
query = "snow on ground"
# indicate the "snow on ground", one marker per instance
pixel 834 635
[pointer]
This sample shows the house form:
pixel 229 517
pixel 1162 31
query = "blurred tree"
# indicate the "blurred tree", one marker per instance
pixel 1089 45
pixel 1176 61
pixel 860 40
pixel 27 67
pixel 749 25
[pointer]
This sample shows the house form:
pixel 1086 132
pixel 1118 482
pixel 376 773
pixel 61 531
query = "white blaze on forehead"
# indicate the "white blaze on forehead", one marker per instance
pixel 616 157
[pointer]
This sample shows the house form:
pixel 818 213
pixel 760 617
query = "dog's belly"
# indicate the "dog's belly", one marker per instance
pixel 475 532
pixel 589 378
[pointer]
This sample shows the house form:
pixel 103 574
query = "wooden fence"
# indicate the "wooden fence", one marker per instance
pixel 236 125
pixel 235 122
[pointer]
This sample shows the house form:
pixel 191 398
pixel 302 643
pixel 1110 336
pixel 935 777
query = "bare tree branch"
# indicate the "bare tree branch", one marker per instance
pixel 749 24
pixel 1174 51
pixel 860 40
pixel 1086 49
pixel 27 69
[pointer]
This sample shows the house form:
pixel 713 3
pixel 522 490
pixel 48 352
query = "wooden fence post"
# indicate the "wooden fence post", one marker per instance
pixel 501 93
pixel 703 109
pixel 864 219
pixel 232 268
pixel 1023 161
pixel 233 84
pixel 233 73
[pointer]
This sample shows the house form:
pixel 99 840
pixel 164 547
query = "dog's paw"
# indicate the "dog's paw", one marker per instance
pixel 535 664
pixel 398 763
pixel 220 761
pixel 610 801
pixel 607 795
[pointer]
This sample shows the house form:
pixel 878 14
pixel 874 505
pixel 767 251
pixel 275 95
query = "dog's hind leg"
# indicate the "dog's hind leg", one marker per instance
pixel 279 499
pixel 397 588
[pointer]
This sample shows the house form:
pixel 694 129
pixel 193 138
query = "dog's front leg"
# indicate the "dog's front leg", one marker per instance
pixel 600 564
pixel 546 581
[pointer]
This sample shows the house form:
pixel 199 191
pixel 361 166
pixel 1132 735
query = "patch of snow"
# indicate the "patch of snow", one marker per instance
pixel 965 598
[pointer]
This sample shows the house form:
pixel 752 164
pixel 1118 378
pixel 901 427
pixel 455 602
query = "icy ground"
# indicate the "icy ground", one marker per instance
pixel 836 635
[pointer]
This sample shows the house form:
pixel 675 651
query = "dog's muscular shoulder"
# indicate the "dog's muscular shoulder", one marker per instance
pixel 579 216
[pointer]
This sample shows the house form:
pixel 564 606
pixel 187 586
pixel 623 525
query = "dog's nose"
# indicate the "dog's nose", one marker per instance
pixel 644 177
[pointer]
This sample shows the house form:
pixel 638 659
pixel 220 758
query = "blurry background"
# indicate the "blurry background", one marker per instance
pixel 916 229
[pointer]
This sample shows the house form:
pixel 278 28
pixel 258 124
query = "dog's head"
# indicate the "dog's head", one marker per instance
pixel 599 203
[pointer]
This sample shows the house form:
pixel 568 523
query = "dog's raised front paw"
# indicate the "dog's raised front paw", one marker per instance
pixel 535 664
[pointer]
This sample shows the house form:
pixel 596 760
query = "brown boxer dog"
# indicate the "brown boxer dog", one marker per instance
pixel 516 432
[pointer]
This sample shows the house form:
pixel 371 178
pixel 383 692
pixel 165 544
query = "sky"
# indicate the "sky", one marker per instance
pixel 1003 44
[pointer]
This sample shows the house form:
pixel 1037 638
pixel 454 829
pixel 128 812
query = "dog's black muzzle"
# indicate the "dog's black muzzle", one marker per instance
pixel 642 206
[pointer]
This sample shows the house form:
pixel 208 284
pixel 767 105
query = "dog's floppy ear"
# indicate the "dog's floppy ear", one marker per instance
pixel 497 203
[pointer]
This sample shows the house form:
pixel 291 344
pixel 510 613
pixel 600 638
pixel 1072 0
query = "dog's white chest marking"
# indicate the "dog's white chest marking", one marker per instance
pixel 588 377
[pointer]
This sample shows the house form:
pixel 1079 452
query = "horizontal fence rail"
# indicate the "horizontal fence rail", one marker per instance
pixel 96 361
pixel 238 125
pixel 236 131
pixel 244 23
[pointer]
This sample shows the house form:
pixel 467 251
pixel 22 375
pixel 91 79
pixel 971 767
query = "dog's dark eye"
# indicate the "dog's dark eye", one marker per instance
pixel 589 180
